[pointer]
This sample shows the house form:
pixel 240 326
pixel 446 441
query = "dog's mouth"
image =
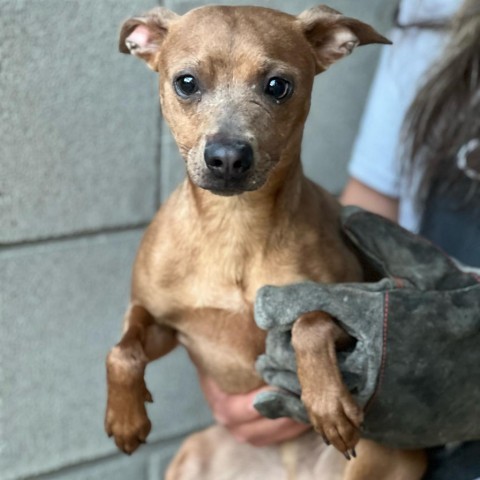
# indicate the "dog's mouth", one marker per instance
pixel 225 188
pixel 225 192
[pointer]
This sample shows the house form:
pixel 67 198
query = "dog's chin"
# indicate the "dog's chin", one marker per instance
pixel 227 189
pixel 224 191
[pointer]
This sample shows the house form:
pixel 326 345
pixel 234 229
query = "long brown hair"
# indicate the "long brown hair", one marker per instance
pixel 445 114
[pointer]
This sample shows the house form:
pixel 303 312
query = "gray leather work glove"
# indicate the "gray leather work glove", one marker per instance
pixel 415 367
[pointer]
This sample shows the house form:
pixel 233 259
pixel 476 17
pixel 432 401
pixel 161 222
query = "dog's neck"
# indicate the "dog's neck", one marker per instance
pixel 281 193
pixel 288 214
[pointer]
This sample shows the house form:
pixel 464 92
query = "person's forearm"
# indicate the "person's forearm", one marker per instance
pixel 359 194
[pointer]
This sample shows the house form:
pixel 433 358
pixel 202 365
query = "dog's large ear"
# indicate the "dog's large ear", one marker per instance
pixel 334 36
pixel 143 36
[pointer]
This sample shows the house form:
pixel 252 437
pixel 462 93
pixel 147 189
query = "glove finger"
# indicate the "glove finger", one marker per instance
pixel 394 252
pixel 271 362
pixel 279 349
pixel 276 404
pixel 283 379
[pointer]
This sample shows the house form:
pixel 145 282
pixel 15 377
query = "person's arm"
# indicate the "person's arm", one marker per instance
pixel 358 194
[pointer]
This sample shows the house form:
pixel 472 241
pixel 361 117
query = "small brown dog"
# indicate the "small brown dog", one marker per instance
pixel 235 85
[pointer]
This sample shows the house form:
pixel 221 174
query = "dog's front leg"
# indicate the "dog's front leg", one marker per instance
pixel 332 410
pixel 143 341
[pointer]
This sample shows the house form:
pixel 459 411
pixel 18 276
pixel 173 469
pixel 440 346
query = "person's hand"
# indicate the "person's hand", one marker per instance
pixel 415 367
pixel 245 423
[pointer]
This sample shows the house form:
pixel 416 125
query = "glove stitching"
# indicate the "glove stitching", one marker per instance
pixel 384 352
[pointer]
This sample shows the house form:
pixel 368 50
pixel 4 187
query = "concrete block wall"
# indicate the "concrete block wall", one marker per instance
pixel 85 160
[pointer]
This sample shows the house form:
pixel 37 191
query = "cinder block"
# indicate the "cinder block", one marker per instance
pixel 79 122
pixel 134 467
pixel 148 463
pixel 337 101
pixel 62 307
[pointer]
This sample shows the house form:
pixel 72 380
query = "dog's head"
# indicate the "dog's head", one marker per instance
pixel 235 83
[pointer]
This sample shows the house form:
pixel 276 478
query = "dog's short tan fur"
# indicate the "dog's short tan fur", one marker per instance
pixel 218 239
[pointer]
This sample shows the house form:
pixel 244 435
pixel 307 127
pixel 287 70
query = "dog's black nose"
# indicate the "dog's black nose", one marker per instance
pixel 230 160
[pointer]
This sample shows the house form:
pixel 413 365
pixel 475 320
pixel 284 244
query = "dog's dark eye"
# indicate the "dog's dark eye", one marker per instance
pixel 186 86
pixel 278 88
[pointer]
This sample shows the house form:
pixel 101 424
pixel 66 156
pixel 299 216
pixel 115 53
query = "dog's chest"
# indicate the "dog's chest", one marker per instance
pixel 203 284
pixel 229 283
pixel 215 322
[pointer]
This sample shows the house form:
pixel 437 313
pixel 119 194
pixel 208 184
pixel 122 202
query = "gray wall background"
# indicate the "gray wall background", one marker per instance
pixel 85 161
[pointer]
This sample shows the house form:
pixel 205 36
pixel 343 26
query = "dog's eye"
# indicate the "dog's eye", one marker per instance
pixel 186 86
pixel 278 88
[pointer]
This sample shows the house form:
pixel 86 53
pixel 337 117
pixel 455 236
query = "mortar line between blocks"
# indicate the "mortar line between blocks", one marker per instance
pixel 10 246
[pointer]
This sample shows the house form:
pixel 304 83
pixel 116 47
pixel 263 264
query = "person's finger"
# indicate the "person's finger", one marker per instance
pixel 236 409
pixel 229 409
pixel 265 432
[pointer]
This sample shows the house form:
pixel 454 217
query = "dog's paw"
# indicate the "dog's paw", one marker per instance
pixel 336 417
pixel 126 417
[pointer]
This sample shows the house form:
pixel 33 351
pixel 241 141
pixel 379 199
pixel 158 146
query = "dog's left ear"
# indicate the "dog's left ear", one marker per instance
pixel 334 36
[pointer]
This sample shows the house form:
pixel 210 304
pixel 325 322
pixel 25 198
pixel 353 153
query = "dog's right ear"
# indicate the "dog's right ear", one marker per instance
pixel 143 36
